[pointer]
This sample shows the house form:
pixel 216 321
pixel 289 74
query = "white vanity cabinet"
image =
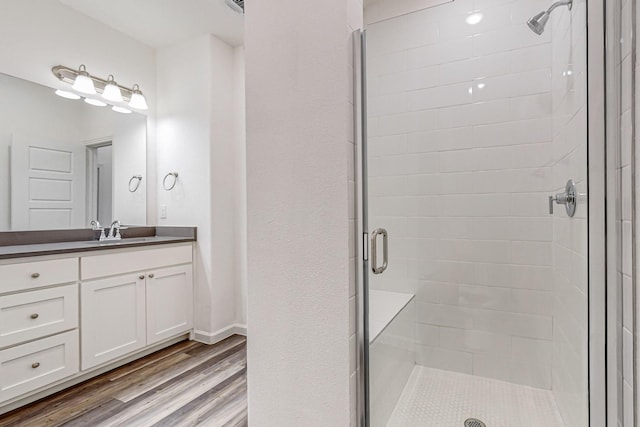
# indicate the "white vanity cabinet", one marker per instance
pixel 132 309
pixel 66 318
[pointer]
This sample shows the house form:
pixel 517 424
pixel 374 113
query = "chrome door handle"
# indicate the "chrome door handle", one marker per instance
pixel 569 199
pixel 374 251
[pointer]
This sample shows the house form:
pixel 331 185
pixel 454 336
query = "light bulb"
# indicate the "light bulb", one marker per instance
pixel 95 102
pixel 68 95
pixel 138 100
pixel 120 109
pixel 83 82
pixel 112 91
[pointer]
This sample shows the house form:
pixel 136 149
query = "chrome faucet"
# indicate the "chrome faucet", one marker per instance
pixel 95 225
pixel 114 231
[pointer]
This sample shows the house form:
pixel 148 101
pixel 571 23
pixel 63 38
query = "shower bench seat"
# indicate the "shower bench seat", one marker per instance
pixel 392 350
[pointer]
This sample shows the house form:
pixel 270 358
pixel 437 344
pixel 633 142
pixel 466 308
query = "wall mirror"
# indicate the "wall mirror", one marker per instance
pixel 64 162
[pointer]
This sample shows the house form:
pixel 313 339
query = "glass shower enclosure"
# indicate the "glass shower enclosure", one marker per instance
pixel 474 214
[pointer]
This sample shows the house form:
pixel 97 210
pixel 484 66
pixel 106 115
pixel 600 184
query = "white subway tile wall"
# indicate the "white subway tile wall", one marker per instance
pixel 624 216
pixel 471 127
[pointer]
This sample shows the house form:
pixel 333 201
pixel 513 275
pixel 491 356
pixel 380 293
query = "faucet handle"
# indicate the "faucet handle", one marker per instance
pixel 95 225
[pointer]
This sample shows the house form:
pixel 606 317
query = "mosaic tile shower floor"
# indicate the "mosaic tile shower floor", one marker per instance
pixel 436 398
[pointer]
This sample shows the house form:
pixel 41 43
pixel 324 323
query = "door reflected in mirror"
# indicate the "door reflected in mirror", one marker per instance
pixel 64 162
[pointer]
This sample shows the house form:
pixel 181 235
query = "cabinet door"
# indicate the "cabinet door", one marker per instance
pixel 169 302
pixel 112 318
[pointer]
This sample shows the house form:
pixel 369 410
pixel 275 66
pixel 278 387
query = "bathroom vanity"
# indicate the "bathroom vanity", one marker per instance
pixel 72 310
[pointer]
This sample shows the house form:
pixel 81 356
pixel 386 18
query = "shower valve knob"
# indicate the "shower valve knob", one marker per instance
pixel 569 199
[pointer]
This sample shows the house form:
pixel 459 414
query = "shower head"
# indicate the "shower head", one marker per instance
pixel 539 21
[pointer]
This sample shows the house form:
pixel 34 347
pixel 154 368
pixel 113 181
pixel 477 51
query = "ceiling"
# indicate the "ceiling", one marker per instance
pixel 160 23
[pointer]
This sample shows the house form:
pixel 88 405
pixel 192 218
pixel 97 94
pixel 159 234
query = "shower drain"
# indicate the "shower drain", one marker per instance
pixel 474 422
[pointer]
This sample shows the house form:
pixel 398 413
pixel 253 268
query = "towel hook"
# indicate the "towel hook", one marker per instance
pixel 175 179
pixel 138 180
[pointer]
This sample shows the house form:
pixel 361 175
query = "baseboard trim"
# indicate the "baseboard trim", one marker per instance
pixel 214 337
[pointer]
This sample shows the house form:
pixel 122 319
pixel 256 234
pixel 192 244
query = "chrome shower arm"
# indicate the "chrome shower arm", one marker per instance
pixel 568 3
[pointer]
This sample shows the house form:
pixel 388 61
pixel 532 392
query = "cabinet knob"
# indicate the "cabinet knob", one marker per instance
pixel 151 276
pixel 35 365
pixel 141 277
pixel 35 315
pixel 35 275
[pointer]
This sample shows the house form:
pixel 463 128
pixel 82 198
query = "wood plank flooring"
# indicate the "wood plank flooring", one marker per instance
pixel 187 384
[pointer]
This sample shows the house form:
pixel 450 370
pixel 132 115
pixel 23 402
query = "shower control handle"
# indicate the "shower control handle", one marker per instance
pixel 374 250
pixel 569 199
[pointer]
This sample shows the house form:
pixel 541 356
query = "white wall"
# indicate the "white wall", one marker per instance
pixel 240 179
pixel 299 122
pixel 196 139
pixel 225 156
pixel 570 235
pixel 460 154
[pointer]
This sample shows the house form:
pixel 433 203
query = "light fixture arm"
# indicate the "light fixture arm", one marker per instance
pixel 68 75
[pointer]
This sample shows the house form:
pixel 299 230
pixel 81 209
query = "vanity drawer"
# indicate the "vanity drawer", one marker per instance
pixel 131 261
pixel 30 275
pixel 31 315
pixel 27 367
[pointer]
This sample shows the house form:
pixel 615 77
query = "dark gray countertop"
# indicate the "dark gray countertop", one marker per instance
pixel 36 243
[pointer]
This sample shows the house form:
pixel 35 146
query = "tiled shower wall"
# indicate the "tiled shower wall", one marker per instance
pixel 623 155
pixel 462 162
pixel 620 134
pixel 570 235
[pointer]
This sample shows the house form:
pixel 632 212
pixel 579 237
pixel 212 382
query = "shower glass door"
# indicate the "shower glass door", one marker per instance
pixel 474 170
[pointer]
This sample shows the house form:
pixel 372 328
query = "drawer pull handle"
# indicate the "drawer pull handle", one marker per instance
pixel 151 276
pixel 141 277
pixel 35 315
pixel 35 365
pixel 35 275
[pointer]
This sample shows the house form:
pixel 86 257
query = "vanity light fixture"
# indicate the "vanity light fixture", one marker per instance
pixel 112 90
pixel 95 102
pixel 68 95
pixel 81 81
pixel 137 99
pixel 122 110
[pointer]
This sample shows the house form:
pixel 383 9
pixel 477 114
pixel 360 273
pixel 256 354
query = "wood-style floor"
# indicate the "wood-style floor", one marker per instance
pixel 186 384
